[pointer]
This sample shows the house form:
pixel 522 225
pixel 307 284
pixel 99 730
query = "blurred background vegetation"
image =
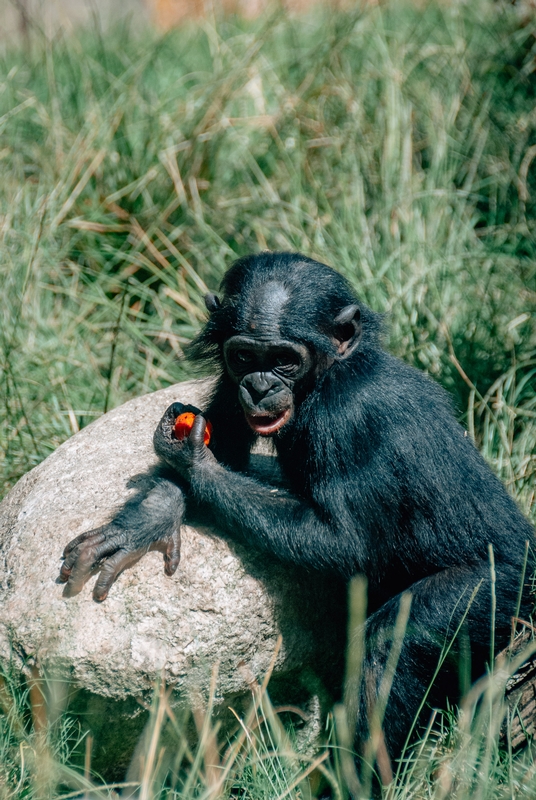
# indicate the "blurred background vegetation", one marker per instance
pixel 395 142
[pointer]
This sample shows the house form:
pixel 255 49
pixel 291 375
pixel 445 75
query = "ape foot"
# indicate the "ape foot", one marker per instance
pixel 149 521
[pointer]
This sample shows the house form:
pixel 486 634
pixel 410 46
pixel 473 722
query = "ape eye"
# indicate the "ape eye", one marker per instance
pixel 282 361
pixel 286 360
pixel 242 357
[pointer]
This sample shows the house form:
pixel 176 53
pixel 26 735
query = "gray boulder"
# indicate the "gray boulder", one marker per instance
pixel 224 604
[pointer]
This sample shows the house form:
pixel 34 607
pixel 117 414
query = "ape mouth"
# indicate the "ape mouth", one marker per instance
pixel 266 424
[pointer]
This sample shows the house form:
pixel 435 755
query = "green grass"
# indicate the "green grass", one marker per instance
pixel 396 144
pixel 46 754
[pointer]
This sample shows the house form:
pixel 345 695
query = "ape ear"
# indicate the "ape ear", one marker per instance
pixel 347 331
pixel 212 302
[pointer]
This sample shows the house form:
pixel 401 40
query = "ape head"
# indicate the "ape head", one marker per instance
pixel 282 321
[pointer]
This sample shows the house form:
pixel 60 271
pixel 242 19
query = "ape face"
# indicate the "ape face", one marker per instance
pixel 267 373
pixel 275 340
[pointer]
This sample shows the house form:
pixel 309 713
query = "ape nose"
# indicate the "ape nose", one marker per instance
pixel 260 386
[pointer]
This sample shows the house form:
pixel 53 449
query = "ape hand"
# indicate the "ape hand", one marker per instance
pixel 189 454
pixel 149 521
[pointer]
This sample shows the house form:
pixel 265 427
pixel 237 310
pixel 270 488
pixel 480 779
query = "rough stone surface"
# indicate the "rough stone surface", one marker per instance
pixel 224 603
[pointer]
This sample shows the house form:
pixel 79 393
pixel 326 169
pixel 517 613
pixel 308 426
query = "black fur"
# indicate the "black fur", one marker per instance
pixel 381 479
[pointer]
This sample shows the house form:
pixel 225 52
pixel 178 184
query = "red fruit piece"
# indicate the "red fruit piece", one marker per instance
pixel 183 426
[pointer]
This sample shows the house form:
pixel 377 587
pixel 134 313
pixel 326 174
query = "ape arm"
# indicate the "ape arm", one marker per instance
pixel 254 513
pixel 151 519
pixel 148 521
pixel 273 520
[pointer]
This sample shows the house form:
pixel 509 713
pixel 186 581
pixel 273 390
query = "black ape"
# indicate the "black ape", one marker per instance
pixel 381 479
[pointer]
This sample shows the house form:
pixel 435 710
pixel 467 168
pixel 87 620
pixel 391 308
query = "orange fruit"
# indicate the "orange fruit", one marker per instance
pixel 183 426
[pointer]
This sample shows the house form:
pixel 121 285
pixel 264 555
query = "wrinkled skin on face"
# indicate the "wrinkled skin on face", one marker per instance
pixel 269 369
pixel 266 373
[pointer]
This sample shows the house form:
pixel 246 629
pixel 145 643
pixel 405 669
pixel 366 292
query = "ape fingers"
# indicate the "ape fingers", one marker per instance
pixel 197 434
pixel 83 537
pixel 170 546
pixel 150 520
pixel 111 569
pixel 80 550
pixel 98 551
pixel 83 555
pixel 172 555
pixel 167 423
pixel 113 566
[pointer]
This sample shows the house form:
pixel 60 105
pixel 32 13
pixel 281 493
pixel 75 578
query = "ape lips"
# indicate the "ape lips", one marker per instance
pixel 266 424
pixel 183 426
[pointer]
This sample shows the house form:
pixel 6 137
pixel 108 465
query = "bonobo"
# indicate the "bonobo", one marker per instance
pixel 380 478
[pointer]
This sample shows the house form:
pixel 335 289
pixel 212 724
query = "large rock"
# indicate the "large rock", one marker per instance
pixel 224 604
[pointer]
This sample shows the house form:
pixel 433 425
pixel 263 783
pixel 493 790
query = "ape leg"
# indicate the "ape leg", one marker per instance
pixel 149 521
pixel 438 606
